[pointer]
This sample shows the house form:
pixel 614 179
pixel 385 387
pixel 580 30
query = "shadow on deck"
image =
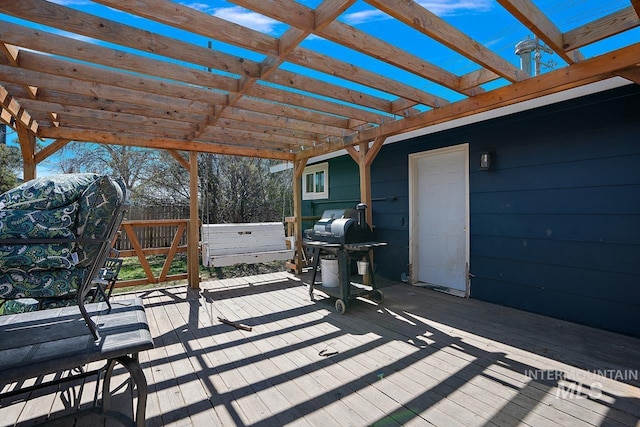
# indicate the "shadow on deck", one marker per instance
pixel 421 358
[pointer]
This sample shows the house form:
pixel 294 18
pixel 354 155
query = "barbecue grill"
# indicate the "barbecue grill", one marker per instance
pixel 344 235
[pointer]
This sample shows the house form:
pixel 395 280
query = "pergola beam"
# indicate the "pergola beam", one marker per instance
pixel 574 75
pixel 68 19
pixel 270 65
pixel 424 21
pixel 136 140
pixel 188 19
pixel 295 55
pixel 13 107
pixel 632 73
pixel 636 6
pixel 242 103
pixel 533 18
pixel 194 79
pixel 50 149
pixel 359 41
pixel 326 64
pixel 578 74
pixel 602 28
pixel 267 124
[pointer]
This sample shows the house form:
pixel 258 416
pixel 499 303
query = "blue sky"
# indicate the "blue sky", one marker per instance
pixel 484 20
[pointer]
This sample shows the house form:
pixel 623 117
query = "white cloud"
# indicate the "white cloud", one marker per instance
pixel 202 7
pixel 75 36
pixel 247 18
pixel 238 15
pixel 365 16
pixel 494 42
pixel 71 2
pixel 438 7
pixel 447 7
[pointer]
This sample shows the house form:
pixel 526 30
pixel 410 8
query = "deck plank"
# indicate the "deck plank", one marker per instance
pixel 155 359
pixel 38 407
pixel 372 369
pixel 265 376
pixel 201 412
pixel 290 376
pixel 420 358
pixel 383 372
pixel 199 335
pixel 535 395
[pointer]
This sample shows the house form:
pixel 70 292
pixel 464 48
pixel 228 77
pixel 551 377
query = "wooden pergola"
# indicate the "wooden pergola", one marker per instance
pixel 67 74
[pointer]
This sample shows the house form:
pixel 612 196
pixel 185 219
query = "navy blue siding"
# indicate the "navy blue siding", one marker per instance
pixel 344 188
pixel 555 228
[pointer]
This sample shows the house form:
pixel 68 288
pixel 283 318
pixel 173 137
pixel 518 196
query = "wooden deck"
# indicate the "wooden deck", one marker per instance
pixel 419 358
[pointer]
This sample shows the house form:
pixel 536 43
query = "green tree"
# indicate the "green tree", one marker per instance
pixel 138 167
pixel 10 164
pixel 209 177
pixel 171 185
pixel 249 192
pixel 231 188
pixel 242 189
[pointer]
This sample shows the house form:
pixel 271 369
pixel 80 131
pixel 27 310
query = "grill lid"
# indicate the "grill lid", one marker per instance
pixel 341 226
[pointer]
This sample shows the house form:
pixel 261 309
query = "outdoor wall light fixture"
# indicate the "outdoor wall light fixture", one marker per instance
pixel 487 160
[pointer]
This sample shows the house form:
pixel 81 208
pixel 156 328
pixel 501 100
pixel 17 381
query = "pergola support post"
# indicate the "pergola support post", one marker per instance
pixel 27 140
pixel 298 168
pixel 364 158
pixel 193 260
pixel 365 181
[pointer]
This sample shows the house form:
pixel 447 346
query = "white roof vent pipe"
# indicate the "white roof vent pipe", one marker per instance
pixel 530 53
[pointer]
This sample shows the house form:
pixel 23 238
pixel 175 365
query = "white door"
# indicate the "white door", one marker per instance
pixel 439 230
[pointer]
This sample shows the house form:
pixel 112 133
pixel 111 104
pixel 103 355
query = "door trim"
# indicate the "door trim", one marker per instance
pixel 413 197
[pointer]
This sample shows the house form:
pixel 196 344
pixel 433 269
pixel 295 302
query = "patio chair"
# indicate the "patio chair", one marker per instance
pixel 106 280
pixel 55 235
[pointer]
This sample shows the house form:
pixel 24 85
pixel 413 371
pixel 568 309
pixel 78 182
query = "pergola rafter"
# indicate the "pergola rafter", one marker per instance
pixel 636 6
pixel 79 73
pixel 530 15
pixel 114 79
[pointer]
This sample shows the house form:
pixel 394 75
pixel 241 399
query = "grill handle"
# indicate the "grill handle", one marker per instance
pixel 362 215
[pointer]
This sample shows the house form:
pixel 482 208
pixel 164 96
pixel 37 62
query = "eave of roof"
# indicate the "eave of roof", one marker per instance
pixel 531 104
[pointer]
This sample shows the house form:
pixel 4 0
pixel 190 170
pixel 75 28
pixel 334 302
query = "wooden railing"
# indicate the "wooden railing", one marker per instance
pixel 128 234
pixel 295 265
pixel 129 246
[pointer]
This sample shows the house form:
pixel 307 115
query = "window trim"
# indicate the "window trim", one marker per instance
pixel 313 169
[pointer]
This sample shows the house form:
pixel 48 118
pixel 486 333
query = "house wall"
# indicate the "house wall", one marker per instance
pixel 344 189
pixel 555 227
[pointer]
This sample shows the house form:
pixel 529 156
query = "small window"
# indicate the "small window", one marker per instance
pixel 315 182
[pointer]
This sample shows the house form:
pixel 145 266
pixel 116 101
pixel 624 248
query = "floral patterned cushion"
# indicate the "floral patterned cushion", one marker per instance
pixel 76 207
pixel 97 205
pixel 16 283
pixel 22 305
pixel 38 224
pixel 33 224
pixel 30 257
pixel 47 192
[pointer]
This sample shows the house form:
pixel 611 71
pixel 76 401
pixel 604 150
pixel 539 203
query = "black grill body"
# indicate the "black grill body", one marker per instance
pixel 345 236
pixel 341 226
